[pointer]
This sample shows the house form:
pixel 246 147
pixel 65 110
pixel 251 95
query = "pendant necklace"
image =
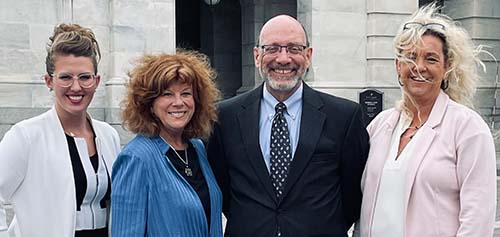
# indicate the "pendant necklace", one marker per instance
pixel 187 170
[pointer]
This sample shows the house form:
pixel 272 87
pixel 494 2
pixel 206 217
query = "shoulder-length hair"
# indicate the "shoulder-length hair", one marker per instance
pixel 461 56
pixel 153 74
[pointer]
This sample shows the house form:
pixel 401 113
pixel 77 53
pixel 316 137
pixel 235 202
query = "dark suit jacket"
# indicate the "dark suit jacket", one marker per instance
pixel 322 195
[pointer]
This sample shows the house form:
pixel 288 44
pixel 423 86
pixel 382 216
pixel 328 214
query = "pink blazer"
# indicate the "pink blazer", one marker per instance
pixel 451 178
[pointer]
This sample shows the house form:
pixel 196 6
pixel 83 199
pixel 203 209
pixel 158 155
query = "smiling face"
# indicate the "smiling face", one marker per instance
pixel 175 108
pixel 73 100
pixel 282 71
pixel 423 70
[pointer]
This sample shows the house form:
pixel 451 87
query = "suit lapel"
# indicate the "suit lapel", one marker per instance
pixel 248 120
pixel 423 144
pixel 311 126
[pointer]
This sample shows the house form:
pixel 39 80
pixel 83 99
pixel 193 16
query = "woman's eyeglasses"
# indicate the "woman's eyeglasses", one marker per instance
pixel 431 26
pixel 86 80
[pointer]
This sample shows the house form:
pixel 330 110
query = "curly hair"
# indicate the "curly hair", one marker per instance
pixel 153 74
pixel 72 39
pixel 461 56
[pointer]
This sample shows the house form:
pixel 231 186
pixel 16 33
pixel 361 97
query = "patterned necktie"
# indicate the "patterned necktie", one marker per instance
pixel 280 150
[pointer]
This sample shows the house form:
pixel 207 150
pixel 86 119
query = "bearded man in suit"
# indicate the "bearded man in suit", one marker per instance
pixel 288 158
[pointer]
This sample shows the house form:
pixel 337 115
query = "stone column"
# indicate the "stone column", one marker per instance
pixel 481 18
pixel 24 30
pixel 338 37
pixel 384 17
pixel 136 27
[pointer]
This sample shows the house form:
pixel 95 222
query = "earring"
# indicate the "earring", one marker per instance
pixel 50 89
pixel 399 81
pixel 444 84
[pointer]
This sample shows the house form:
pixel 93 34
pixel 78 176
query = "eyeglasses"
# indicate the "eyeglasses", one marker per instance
pixel 291 49
pixel 86 80
pixel 431 26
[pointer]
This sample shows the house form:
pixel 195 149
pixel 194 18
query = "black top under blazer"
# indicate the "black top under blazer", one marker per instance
pixel 322 195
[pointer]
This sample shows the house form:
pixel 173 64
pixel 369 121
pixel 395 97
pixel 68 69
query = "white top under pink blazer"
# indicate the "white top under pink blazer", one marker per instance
pixel 450 183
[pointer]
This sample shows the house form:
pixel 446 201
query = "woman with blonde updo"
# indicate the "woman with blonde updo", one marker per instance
pixel 55 168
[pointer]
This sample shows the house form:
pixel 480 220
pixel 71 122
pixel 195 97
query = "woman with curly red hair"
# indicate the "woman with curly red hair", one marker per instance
pixel 162 182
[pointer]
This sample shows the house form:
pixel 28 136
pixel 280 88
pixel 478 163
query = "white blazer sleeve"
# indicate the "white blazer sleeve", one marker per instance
pixel 14 151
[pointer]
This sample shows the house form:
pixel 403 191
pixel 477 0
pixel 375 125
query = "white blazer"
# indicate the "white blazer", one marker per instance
pixel 36 175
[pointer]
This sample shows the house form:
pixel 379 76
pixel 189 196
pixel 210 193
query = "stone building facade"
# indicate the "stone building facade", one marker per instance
pixel 351 40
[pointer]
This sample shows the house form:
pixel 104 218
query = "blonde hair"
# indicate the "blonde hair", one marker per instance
pixel 72 39
pixel 152 76
pixel 461 56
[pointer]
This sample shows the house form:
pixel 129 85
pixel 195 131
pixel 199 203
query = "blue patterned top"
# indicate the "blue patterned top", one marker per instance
pixel 150 198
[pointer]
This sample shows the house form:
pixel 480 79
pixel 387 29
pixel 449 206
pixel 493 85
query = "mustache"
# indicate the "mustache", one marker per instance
pixel 283 67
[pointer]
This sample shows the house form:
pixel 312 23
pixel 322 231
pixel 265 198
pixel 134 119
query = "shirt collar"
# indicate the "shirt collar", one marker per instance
pixel 292 103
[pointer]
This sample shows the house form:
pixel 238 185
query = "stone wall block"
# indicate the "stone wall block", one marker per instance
pixel 128 38
pixel 385 24
pixel 17 61
pixel 492 46
pixel 10 116
pixel 16 95
pixel 355 6
pixel 382 73
pixel 465 8
pixel 102 34
pixel 3 129
pixel 113 115
pixel 329 24
pixel 125 136
pixel 380 47
pixel 115 94
pixel 142 14
pixel 485 28
pixel 122 63
pixel 487 79
pixel 91 12
pixel 99 99
pixel 160 40
pixel 14 36
pixel 39 36
pixel 41 97
pixel 30 11
pixel 391 6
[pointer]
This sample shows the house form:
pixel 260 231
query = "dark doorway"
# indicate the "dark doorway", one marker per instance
pixel 187 24
pixel 215 31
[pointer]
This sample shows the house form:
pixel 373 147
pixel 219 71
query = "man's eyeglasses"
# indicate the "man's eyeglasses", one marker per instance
pixel 431 26
pixel 86 80
pixel 291 49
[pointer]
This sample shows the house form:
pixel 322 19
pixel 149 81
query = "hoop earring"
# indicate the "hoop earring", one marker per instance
pixel 444 84
pixel 399 81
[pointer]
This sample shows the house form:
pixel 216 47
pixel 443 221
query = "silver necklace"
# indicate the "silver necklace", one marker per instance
pixel 187 170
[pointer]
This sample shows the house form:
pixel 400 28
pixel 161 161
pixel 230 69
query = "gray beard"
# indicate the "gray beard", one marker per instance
pixel 291 83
